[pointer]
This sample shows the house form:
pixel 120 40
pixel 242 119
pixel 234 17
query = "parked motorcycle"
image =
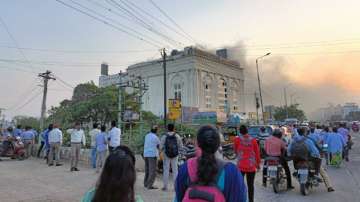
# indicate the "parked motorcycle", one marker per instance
pixel 275 173
pixel 305 174
pixel 14 150
pixel 228 151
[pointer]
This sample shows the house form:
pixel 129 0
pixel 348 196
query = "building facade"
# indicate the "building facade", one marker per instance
pixel 198 78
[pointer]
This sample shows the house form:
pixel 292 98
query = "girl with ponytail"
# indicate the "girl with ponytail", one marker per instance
pixel 206 170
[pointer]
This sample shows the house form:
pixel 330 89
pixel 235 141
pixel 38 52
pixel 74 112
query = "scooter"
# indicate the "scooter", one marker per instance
pixel 275 173
pixel 305 173
pixel 14 150
pixel 228 151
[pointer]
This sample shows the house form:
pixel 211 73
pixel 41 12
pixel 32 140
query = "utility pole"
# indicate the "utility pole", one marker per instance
pixel 46 76
pixel 165 88
pixel 258 76
pixel 286 104
pixel 257 105
pixel 120 103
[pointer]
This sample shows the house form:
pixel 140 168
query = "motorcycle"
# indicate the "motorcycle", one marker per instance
pixel 14 150
pixel 228 151
pixel 305 173
pixel 275 173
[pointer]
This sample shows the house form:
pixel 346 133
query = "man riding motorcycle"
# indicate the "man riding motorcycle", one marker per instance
pixel 312 154
pixel 276 147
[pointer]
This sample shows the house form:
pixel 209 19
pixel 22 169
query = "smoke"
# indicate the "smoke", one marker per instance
pixel 312 81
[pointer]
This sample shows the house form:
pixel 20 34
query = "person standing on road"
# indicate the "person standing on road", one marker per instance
pixel 55 137
pixel 346 135
pixel 18 130
pixel 77 138
pixel 248 152
pixel 171 145
pixel 206 170
pixel 117 180
pixel 42 143
pixel 93 133
pixel 28 137
pixel 101 148
pixel 336 144
pixel 114 137
pixel 47 144
pixel 151 153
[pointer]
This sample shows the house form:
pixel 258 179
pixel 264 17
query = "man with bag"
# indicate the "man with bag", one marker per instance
pixel 171 146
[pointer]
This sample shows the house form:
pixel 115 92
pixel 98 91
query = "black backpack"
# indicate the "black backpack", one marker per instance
pixel 299 150
pixel 171 146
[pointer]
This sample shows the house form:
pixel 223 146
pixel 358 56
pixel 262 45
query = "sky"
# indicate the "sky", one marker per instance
pixel 314 45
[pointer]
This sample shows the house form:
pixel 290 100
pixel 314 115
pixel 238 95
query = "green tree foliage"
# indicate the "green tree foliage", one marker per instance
pixel 292 110
pixel 27 121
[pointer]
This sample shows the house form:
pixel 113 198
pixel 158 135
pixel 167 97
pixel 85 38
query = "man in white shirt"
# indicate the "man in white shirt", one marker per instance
pixel 151 153
pixel 93 134
pixel 77 138
pixel 55 142
pixel 114 137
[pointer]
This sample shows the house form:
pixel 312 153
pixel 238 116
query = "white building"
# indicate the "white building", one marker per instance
pixel 198 78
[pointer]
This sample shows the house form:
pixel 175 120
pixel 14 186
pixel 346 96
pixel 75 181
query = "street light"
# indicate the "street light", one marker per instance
pixel 261 99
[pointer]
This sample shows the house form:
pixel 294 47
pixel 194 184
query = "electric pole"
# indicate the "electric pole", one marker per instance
pixel 165 88
pixel 46 76
pixel 120 103
pixel 257 105
pixel 286 104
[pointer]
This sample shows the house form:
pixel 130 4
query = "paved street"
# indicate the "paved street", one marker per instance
pixel 32 180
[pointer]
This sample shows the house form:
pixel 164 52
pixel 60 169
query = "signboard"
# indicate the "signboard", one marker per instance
pixel 252 115
pixel 174 109
pixel 130 115
pixel 187 113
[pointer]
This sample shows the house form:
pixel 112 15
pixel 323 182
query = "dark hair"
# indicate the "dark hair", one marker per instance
pixel 154 129
pixel 77 123
pixel 118 177
pixel 113 123
pixel 209 141
pixel 243 130
pixel 277 133
pixel 301 131
pixel 95 125
pixel 10 129
pixel 51 126
pixel 27 127
pixel 171 127
pixel 103 128
pixel 326 129
pixel 334 129
pixel 18 126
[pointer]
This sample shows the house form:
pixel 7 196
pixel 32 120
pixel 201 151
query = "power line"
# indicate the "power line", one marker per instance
pixel 107 23
pixel 64 82
pixel 170 19
pixel 18 69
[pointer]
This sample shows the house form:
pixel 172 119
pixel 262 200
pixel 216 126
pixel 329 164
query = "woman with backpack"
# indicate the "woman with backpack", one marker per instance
pixel 248 152
pixel 206 177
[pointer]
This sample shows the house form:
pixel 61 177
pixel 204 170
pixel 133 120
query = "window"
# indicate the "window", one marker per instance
pixel 222 95
pixel 207 96
pixel 177 91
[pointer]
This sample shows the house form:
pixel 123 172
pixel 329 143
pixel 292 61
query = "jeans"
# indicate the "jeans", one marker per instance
pixel 40 148
pixel 93 157
pixel 100 159
pixel 75 154
pixel 150 171
pixel 54 150
pixel 174 167
pixel 250 179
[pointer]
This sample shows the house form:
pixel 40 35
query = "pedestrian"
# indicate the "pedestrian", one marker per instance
pixel 248 152
pixel 275 146
pixel 77 138
pixel 117 180
pixel 28 137
pixel 342 130
pixel 18 130
pixel 171 145
pixel 336 144
pixel 151 153
pixel 42 143
pixel 55 137
pixel 209 175
pixel 114 137
pixel 93 133
pixel 47 144
pixel 101 148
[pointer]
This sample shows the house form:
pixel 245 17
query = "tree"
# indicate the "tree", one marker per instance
pixel 292 110
pixel 27 121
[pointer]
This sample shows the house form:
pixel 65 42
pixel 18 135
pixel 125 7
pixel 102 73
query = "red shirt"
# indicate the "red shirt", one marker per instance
pixel 248 151
pixel 274 146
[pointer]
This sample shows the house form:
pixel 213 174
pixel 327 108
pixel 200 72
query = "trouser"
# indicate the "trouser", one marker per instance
pixel 150 171
pixel 93 157
pixel 285 165
pixel 174 167
pixel 100 159
pixel 75 154
pixel 28 148
pixel 54 150
pixel 250 179
pixel 40 148
pixel 325 177
pixel 6 146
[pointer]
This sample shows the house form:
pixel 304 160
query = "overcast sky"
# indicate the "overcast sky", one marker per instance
pixel 315 45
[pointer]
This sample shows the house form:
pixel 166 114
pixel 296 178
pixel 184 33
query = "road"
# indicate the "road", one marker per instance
pixel 33 181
